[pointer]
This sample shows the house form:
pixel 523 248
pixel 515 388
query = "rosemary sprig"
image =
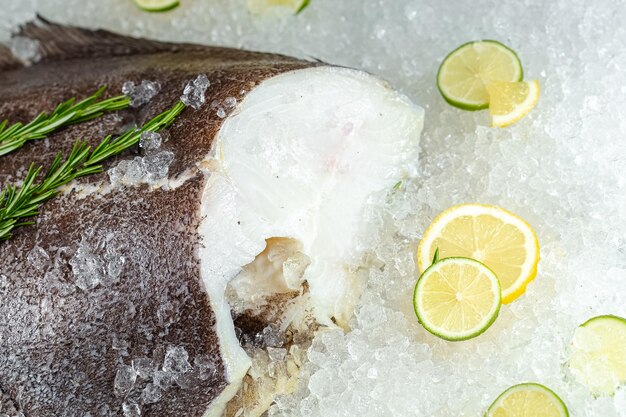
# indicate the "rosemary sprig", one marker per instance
pixel 20 203
pixel 15 136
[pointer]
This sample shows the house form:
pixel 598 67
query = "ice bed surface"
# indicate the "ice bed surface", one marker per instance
pixel 561 168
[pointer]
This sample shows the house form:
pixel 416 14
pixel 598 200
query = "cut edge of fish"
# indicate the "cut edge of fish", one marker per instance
pixel 301 158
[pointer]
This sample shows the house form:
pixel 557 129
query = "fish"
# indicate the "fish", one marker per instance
pixel 158 298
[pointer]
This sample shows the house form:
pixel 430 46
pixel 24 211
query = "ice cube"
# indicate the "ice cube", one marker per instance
pixel 270 336
pixel 176 360
pixel 128 88
pixel 277 369
pixel 276 354
pixel 163 379
pixel 116 174
pixel 144 367
pixel 186 380
pixel 205 366
pixel 114 265
pixel 142 93
pixel 193 93
pixel 125 378
pixel 87 267
pixel 151 394
pixel 293 269
pixel 149 169
pixel 38 258
pixel 119 343
pixel 157 165
pixel 135 170
pixel 4 283
pixel 150 141
pixel 202 82
pixel 230 102
pixel 25 49
pixel 131 409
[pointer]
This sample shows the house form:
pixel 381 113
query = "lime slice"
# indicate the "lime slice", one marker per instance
pixel 494 236
pixel 465 73
pixel 528 400
pixel 457 298
pixel 509 102
pixel 303 5
pixel 599 354
pixel 157 5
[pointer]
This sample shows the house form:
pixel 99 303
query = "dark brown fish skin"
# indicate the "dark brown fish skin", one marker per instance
pixel 60 346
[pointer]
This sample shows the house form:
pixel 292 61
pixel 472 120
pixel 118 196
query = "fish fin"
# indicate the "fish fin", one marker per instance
pixel 60 42
pixel 319 61
pixel 7 60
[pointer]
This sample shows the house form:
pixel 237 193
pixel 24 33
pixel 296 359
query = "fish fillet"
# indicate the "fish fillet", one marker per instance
pixel 137 297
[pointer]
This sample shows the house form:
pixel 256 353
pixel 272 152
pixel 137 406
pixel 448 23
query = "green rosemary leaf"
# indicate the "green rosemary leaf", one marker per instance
pixel 11 146
pixel 23 202
pixel 69 112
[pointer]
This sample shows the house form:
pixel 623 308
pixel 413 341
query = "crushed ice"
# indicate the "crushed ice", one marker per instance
pixel 144 381
pixel 38 258
pixel 131 409
pixel 4 283
pixel 150 141
pixel 163 379
pixel 276 354
pixel 26 49
pixel 91 269
pixel 149 169
pixel 193 93
pixel 151 394
pixel 125 378
pixel 230 102
pixel 270 336
pixel 561 169
pixel 119 344
pixel 176 360
pixel 222 108
pixel 157 165
pixel 205 366
pixel 293 269
pixel 144 367
pixel 142 93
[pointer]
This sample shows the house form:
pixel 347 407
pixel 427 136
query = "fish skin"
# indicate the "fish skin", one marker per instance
pixel 56 348
pixel 157 302
pixel 7 60
pixel 27 91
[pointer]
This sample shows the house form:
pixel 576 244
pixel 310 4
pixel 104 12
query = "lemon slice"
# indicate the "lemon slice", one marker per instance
pixel 465 73
pixel 528 400
pixel 457 298
pixel 509 102
pixel 156 5
pixel 599 354
pixel 262 6
pixel 489 234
